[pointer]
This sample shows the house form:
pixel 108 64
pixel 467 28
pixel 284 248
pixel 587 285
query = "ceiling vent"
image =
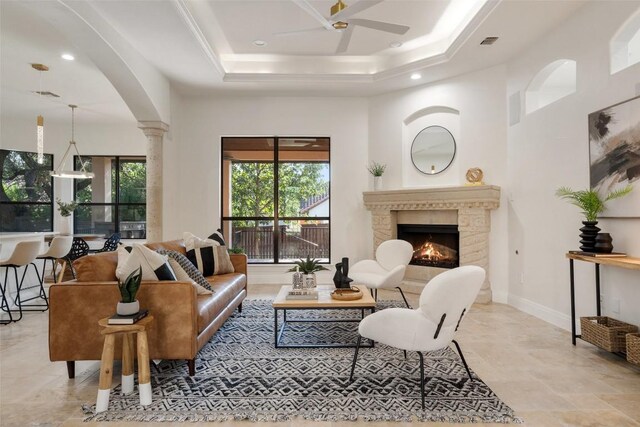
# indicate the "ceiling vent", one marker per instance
pixel 489 41
pixel 46 93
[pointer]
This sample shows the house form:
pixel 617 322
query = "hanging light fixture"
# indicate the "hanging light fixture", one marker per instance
pixel 59 172
pixel 40 119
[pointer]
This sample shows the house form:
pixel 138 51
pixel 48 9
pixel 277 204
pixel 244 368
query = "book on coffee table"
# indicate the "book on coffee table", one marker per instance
pixel 303 295
pixel 117 319
pixel 599 255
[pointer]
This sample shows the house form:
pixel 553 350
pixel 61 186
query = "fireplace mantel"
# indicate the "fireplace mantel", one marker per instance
pixel 469 207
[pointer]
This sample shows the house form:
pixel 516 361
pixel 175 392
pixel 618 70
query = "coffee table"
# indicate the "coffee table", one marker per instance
pixel 324 302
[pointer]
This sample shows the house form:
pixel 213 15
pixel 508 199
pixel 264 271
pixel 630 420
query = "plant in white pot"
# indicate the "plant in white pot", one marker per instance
pixel 308 268
pixel 66 212
pixel 377 169
pixel 128 304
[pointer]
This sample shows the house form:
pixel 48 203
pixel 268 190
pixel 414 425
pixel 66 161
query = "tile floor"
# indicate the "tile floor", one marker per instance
pixel 530 364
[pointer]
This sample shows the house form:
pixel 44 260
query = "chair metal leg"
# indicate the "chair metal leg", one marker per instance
pixel 421 377
pixel 403 297
pixel 5 302
pixel 405 354
pixel 376 297
pixel 355 357
pixel 464 362
pixel 42 294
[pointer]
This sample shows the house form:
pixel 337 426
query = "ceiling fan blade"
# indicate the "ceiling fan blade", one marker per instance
pixel 306 30
pixel 381 26
pixel 344 40
pixel 306 6
pixel 355 8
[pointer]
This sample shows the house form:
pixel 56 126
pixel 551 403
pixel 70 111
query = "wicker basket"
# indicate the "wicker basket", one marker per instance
pixel 607 333
pixel 633 348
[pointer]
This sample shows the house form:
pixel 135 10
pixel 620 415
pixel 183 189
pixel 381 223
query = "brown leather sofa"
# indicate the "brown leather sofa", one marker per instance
pixel 184 321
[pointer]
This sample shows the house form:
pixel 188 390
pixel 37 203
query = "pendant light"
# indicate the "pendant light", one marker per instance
pixel 59 172
pixel 40 119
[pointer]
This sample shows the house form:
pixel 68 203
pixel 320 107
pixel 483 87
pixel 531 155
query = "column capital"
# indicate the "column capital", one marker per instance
pixel 153 128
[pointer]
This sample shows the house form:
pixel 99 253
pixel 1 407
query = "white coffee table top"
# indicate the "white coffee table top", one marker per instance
pixel 324 299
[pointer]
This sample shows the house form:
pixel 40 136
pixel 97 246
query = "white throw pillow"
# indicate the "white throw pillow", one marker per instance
pixel 154 266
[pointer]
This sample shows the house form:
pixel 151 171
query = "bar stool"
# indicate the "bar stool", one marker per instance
pixel 106 364
pixel 79 248
pixel 58 249
pixel 23 255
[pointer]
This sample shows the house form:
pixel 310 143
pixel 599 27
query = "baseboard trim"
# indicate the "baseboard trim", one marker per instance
pixel 556 318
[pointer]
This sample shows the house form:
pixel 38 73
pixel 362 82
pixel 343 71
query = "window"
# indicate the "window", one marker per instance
pixel 114 201
pixel 26 194
pixel 625 45
pixel 275 197
pixel 553 82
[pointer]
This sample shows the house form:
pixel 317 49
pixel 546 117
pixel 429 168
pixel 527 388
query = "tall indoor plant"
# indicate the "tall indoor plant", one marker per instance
pixel 66 212
pixel 592 205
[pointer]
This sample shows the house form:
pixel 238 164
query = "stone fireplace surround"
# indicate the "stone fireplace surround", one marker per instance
pixel 469 207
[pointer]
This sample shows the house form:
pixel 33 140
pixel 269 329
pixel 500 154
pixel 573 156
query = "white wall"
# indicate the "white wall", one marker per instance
pixel 480 133
pixel 194 173
pixel 548 149
pixel 92 139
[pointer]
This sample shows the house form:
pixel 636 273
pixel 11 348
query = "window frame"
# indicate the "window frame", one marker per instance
pixel 50 202
pixel 116 204
pixel 276 218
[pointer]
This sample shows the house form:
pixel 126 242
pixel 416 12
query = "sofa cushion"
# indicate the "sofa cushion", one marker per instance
pixel 207 255
pixel 171 245
pixel 226 287
pixel 154 266
pixel 100 267
pixel 187 267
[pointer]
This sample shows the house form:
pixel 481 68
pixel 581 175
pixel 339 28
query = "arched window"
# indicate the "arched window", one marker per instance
pixel 553 82
pixel 625 45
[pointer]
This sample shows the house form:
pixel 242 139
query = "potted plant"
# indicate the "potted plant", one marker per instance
pixel 308 268
pixel 376 169
pixel 592 205
pixel 128 304
pixel 66 210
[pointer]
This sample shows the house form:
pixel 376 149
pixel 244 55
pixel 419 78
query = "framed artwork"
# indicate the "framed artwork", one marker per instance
pixel 614 155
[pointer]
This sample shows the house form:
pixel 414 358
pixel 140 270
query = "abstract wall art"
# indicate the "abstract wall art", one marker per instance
pixel 614 155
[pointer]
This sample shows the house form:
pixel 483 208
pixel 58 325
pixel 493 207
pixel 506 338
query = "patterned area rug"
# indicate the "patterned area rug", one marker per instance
pixel 241 376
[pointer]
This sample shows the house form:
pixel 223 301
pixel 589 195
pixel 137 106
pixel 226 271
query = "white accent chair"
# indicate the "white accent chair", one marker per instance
pixel 24 254
pixel 443 304
pixel 387 270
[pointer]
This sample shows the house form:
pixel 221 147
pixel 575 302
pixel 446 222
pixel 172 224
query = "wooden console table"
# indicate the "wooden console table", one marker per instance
pixel 622 262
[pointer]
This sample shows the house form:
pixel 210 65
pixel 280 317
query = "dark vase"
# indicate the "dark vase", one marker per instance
pixel 604 243
pixel 588 235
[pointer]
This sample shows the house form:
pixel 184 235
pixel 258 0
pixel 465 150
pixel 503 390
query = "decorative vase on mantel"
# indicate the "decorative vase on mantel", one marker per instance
pixel 377 183
pixel 604 243
pixel 588 234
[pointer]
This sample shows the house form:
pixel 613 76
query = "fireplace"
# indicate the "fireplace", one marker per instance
pixel 433 245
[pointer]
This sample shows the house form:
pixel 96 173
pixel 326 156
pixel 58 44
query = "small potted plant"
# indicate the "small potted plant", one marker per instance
pixel 308 268
pixel 592 205
pixel 66 210
pixel 376 169
pixel 128 304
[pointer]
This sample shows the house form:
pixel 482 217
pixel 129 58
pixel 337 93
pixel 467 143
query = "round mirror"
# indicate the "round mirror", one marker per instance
pixel 433 150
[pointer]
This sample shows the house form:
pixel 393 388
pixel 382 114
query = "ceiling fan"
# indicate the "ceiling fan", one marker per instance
pixel 340 21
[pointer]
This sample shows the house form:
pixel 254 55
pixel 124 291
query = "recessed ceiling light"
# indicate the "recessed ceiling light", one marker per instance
pixel 395 44
pixel 416 76
pixel 67 56
pixel 260 43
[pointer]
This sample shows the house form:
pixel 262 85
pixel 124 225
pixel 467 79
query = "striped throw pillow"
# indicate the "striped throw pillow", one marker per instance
pixel 188 267
pixel 207 255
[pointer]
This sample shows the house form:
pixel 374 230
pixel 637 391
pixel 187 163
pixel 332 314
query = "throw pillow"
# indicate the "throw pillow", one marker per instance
pixel 218 237
pixel 182 276
pixel 207 255
pixel 185 265
pixel 154 266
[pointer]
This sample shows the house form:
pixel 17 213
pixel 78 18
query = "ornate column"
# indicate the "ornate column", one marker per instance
pixel 154 131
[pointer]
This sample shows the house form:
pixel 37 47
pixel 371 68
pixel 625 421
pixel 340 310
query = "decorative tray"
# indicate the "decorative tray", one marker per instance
pixel 346 294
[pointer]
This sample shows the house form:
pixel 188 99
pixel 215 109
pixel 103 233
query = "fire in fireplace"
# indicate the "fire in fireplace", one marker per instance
pixel 433 245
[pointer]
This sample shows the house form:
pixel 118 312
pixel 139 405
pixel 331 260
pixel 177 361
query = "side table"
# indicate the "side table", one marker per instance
pixel 106 364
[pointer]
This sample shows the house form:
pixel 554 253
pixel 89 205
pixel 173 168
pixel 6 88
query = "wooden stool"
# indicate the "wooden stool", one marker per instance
pixel 106 364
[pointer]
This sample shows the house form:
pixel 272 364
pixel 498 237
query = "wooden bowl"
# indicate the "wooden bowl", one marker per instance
pixel 346 294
